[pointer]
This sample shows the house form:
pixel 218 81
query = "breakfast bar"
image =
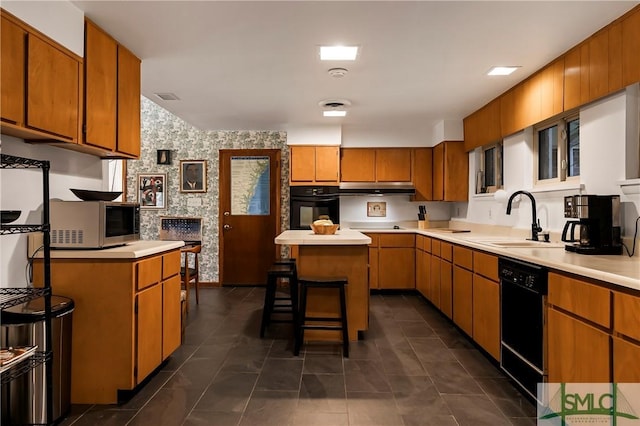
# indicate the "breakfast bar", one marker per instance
pixel 343 254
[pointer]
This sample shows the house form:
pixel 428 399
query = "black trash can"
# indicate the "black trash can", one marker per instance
pixel 24 399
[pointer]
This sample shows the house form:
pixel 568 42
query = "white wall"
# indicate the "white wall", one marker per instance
pixel 21 190
pixel 353 208
pixel 60 20
pixel 314 135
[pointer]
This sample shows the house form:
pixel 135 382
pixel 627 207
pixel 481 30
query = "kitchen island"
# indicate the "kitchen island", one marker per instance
pixel 345 254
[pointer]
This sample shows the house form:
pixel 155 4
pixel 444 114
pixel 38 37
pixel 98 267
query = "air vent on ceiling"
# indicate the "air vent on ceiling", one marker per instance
pixel 334 103
pixel 167 96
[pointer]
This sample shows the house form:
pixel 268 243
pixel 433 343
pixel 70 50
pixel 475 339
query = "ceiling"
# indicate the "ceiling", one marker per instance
pixel 254 65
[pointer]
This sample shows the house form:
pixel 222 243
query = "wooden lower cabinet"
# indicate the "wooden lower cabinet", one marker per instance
pixel 125 323
pixel 486 314
pixel 433 293
pixel 463 299
pixel 626 368
pixel 446 288
pixel 396 268
pixel 577 351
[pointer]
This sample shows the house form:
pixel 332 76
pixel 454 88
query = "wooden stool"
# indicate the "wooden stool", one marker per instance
pixel 328 282
pixel 281 269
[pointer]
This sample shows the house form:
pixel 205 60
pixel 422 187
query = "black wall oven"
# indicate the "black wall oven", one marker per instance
pixel 523 287
pixel 308 203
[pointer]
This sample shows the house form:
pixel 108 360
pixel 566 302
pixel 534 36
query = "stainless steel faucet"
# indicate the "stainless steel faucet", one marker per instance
pixel 535 226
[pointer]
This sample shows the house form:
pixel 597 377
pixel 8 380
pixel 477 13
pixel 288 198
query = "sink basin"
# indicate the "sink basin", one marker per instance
pixel 521 244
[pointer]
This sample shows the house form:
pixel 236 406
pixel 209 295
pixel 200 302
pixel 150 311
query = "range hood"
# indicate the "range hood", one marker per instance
pixel 376 188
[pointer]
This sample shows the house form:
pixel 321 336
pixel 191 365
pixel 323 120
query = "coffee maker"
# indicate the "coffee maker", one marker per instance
pixel 598 217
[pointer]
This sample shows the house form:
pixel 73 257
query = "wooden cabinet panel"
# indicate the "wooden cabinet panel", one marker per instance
pixel 532 98
pixel 393 165
pixel 128 103
pixel 615 57
pixel 551 89
pixel 446 288
pixel 434 280
pixel 427 244
pixel 171 315
pixel 397 240
pixel 436 246
pixel 374 267
pixel 149 331
pixel 423 282
pixel 12 72
pixel 422 169
pixel 486 314
pixel 585 81
pixel 598 65
pixel 483 126
pixel 438 172
pixel 148 272
pixel 626 368
pixel 626 315
pixel 420 281
pixel 446 251
pixel 456 172
pixel 101 87
pixel 507 114
pixel 314 164
pixel 463 299
pixel 357 165
pixel 572 79
pixel 327 163
pixel 486 265
pixel 302 163
pixel 463 257
pixel 630 48
pixel 171 264
pixel 586 300
pixel 577 352
pixel 53 92
pixel 396 268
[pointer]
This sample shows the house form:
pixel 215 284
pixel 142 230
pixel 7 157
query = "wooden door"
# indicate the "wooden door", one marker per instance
pixel 327 165
pixel 12 72
pixel 100 67
pixel 249 214
pixel 128 103
pixel 53 90
pixel 357 165
pixel 148 331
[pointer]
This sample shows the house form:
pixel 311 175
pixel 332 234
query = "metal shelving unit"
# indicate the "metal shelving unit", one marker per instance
pixel 13 296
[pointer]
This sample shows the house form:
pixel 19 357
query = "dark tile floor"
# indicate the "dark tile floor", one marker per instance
pixel 412 368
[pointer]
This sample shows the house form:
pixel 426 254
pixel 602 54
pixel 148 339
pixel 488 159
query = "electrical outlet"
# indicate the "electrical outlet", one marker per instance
pixel 489 213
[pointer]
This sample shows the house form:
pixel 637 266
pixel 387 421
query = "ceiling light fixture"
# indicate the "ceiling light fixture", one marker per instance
pixel 501 70
pixel 334 113
pixel 338 72
pixel 338 53
pixel 334 107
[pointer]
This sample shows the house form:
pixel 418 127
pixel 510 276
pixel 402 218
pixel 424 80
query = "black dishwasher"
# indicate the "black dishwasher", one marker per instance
pixel 523 287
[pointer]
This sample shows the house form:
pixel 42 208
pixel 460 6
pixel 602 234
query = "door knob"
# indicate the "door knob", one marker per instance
pixel 226 227
pixel 226 213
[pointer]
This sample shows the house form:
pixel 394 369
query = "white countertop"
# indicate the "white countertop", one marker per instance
pixel 134 250
pixel 342 237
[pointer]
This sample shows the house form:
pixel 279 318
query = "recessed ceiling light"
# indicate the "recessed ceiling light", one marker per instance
pixel 502 70
pixel 338 53
pixel 334 113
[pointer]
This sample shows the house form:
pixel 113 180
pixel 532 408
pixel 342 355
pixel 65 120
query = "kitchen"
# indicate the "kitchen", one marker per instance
pixel 164 130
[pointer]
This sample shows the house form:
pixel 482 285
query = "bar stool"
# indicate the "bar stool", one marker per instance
pixel 281 269
pixel 339 323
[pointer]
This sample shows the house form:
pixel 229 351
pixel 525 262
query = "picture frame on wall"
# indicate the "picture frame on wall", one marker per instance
pixel 164 157
pixel 193 176
pixel 152 193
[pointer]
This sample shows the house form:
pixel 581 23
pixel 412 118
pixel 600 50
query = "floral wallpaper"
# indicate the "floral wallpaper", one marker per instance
pixel 163 130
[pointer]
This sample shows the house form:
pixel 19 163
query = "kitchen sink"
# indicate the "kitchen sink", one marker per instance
pixel 522 244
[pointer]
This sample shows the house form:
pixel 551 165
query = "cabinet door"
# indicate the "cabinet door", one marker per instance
pixel 374 268
pixel 630 49
pixel 551 89
pixel 463 299
pixel 357 165
pixel 486 314
pixel 302 163
pixel 53 79
pixel 434 282
pixel 615 57
pixel 396 268
pixel 577 352
pixel 327 163
pixel 422 169
pixel 12 72
pixel 583 299
pixel 100 64
pixel 171 316
pixel 438 172
pixel 446 288
pixel 626 319
pixel 393 165
pixel 419 254
pixel 572 79
pixel 626 368
pixel 128 103
pixel 456 172
pixel 148 331
pixel 598 65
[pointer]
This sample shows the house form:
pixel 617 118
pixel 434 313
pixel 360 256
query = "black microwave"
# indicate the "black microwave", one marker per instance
pixel 93 224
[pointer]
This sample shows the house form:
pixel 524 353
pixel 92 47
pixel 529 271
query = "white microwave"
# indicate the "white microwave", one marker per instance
pixel 93 224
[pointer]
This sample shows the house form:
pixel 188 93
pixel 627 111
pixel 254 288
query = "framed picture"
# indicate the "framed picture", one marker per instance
pixel 193 176
pixel 377 209
pixel 152 190
pixel 164 156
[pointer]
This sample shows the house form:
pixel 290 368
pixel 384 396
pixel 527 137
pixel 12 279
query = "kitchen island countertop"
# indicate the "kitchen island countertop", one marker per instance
pixel 342 237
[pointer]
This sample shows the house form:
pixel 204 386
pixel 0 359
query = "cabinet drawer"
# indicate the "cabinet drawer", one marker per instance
pixel 463 257
pixel 427 244
pixel 435 247
pixel 420 242
pixel 586 300
pixel 446 251
pixel 486 265
pixel 397 240
pixel 626 315
pixel 170 264
pixel 148 272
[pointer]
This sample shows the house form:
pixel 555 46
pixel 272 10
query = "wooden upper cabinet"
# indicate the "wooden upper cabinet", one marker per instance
pixel 393 165
pixel 314 164
pixel 53 89
pixel 483 127
pixel 572 79
pixel 422 169
pixel 630 48
pixel 101 81
pixel 615 57
pixel 450 172
pixel 128 141
pixel 551 85
pixel 12 72
pixel 507 113
pixel 357 165
pixel 598 65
